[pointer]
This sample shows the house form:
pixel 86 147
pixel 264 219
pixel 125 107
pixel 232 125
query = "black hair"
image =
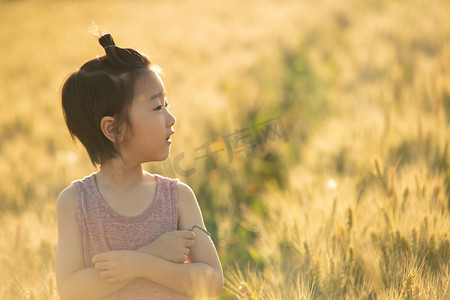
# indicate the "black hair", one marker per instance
pixel 102 87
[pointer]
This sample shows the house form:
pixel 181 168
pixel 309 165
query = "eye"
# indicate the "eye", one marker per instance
pixel 159 107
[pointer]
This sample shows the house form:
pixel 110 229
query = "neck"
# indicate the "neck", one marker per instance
pixel 119 174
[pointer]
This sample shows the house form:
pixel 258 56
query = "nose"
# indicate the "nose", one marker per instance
pixel 171 119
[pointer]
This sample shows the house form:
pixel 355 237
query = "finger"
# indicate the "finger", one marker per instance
pixel 189 243
pixel 106 274
pixel 190 235
pixel 100 257
pixel 102 265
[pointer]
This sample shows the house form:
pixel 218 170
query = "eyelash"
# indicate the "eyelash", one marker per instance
pixel 160 107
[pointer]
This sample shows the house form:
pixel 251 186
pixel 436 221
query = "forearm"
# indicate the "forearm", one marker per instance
pixel 197 279
pixel 87 284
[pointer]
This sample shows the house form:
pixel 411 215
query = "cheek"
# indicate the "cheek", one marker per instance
pixel 151 129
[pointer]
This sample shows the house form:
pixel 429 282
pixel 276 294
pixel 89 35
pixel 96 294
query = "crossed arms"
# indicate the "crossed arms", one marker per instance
pixel 160 261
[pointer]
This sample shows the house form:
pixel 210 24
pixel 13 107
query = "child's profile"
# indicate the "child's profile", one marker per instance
pixel 124 233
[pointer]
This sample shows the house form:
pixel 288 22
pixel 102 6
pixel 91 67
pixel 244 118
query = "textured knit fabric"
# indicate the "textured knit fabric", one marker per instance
pixel 102 229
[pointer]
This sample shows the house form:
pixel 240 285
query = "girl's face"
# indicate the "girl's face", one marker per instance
pixel 151 122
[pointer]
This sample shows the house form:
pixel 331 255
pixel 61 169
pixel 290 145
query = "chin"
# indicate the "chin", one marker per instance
pixel 163 156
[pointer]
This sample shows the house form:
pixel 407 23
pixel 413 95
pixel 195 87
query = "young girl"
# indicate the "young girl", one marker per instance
pixel 125 233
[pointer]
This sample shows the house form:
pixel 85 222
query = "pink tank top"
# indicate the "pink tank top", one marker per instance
pixel 102 229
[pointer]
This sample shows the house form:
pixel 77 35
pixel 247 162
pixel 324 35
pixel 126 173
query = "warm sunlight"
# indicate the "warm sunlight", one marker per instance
pixel 315 135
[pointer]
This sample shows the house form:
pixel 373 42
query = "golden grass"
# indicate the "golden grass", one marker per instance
pixel 354 204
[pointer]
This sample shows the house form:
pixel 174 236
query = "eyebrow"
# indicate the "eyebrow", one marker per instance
pixel 158 95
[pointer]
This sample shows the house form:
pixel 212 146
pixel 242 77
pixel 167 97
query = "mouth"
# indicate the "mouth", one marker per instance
pixel 168 138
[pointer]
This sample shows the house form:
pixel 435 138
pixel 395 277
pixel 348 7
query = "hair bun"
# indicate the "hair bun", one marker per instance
pixel 106 41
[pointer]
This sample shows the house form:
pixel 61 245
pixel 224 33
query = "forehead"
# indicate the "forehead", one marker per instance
pixel 148 84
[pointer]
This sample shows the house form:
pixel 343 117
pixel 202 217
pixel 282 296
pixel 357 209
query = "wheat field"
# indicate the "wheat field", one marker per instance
pixel 315 135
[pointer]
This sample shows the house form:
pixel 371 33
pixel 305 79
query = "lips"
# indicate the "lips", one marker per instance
pixel 168 138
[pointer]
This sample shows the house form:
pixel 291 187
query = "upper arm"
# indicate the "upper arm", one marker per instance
pixel 69 251
pixel 189 214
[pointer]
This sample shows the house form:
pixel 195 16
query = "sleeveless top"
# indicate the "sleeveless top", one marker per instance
pixel 103 229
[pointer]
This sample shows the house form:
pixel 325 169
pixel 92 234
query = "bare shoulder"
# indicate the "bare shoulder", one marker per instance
pixel 66 202
pixel 185 190
pixel 189 212
pixel 186 196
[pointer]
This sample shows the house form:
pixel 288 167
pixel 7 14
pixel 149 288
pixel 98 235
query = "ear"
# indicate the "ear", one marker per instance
pixel 109 128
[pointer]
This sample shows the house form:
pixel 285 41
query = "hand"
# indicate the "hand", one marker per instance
pixel 173 246
pixel 117 266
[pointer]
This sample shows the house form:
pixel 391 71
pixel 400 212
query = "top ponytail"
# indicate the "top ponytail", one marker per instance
pixel 107 41
pixel 122 59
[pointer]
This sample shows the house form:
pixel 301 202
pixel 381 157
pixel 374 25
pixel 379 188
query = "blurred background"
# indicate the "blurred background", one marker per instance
pixel 315 135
